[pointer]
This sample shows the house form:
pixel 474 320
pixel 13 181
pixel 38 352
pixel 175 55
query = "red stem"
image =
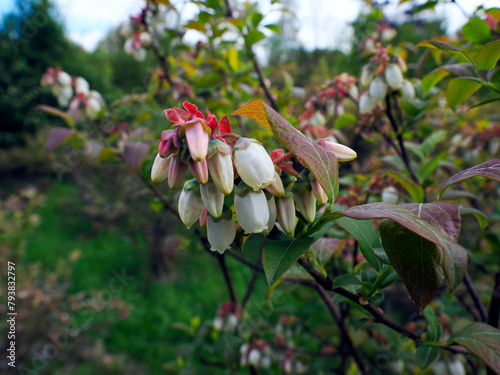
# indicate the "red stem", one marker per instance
pixel 283 158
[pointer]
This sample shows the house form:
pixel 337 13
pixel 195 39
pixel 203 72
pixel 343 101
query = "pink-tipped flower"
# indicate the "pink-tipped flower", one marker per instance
pixel 213 199
pixel 305 199
pixel 220 165
pixel 176 172
pixel 319 192
pixel 271 206
pixel 199 170
pixel 342 153
pixel 203 218
pixel 190 204
pixel 159 172
pixel 285 212
pixel 169 143
pixel 253 163
pixel 251 209
pixel 394 76
pixel 221 232
pixel 197 138
pixel 276 187
pixel 378 89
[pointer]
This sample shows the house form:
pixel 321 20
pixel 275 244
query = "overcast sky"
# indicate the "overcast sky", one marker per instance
pixel 323 23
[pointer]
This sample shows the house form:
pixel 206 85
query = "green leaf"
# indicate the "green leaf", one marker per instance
pixel 433 224
pixel 476 31
pixel 234 62
pixel 325 247
pixel 426 355
pixel 489 169
pixel 347 280
pixel 345 119
pixel 431 165
pixel 274 28
pixel 256 17
pixel 279 256
pixel 483 341
pixel 460 89
pixel 431 79
pixel 484 102
pixel 479 215
pixel 253 37
pixel 432 140
pixel 322 164
pixel 416 192
pixel 434 329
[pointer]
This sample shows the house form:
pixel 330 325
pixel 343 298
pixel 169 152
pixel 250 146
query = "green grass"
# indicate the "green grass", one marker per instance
pixel 147 335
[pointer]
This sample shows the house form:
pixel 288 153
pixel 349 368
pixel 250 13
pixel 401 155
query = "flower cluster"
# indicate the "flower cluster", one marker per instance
pixel 138 39
pixel 77 89
pixel 383 74
pixel 268 190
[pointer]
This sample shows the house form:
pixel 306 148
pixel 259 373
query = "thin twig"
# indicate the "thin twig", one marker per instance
pixel 262 83
pixel 494 313
pixel 475 298
pixel 229 10
pixel 227 277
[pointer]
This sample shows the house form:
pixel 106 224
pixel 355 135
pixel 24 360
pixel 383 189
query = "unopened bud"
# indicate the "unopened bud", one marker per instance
pixel 199 170
pixel 390 195
pixel 159 171
pixel 305 199
pixel 319 192
pixel 203 218
pixel 176 172
pixel 285 212
pixel 342 153
pixel 220 166
pixel 190 204
pixel 213 199
pixel 276 187
pixel 271 206
pixel 197 137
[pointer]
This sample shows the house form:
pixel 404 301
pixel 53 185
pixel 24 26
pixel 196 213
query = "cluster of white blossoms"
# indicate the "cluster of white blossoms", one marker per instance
pixel 137 38
pixel 74 91
pixel 269 190
pixel 383 75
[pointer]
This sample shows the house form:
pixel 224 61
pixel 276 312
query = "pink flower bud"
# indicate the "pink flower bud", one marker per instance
pixel 366 104
pixel 378 89
pixel 203 218
pixel 253 163
pixel 159 172
pixel 305 199
pixel 220 166
pixel 342 153
pixel 285 213
pixel 319 192
pixel 221 233
pixel 169 143
pixel 190 204
pixel 199 170
pixel 197 137
pixel 276 187
pixel 176 172
pixel 393 76
pixel 213 199
pixel 251 209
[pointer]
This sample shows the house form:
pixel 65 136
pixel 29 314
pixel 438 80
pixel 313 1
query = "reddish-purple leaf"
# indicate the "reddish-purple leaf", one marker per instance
pixel 490 169
pixel 321 163
pixel 58 136
pixel 438 224
pixel 135 153
pixel 325 247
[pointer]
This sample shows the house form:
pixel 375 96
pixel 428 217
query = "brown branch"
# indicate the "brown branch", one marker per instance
pixel 363 367
pixel 475 298
pixel 227 277
pixel 229 10
pixel 262 83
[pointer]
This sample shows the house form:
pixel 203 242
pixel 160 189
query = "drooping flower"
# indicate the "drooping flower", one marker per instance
pixel 394 76
pixel 253 163
pixel 366 104
pixel 407 91
pixel 220 165
pixel 251 209
pixel 190 205
pixel 213 198
pixel 390 195
pixel 221 232
pixel 342 153
pixel 159 172
pixel 378 89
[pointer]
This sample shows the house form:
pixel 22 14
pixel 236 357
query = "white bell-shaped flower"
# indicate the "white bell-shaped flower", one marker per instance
pixel 251 209
pixel 64 79
pixel 190 204
pixel 145 38
pixel 221 232
pixel 213 198
pixel 159 172
pixel 390 195
pixel 378 89
pixel 82 86
pixel 354 92
pixel 253 163
pixel 254 358
pixel 366 104
pixel 220 166
pixel 271 206
pixel 394 76
pixel 407 91
pixel 64 94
